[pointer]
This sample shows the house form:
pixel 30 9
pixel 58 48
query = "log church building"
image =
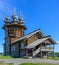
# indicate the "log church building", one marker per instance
pixel 34 44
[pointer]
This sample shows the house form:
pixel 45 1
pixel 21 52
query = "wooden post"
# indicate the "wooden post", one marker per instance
pixel 45 45
pixel 32 52
pixel 26 52
pixel 41 50
pixel 41 54
pixel 47 54
pixel 49 46
pixel 53 52
pixel 26 48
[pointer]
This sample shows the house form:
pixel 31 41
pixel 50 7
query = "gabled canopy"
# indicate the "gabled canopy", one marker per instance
pixel 37 42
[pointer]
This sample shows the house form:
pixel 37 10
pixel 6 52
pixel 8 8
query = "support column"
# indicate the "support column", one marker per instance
pixel 32 52
pixel 45 45
pixel 53 52
pixel 41 50
pixel 49 46
pixel 26 52
pixel 26 48
pixel 41 54
pixel 47 54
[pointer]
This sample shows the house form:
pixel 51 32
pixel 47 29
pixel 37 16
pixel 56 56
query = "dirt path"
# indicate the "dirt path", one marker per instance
pixel 21 60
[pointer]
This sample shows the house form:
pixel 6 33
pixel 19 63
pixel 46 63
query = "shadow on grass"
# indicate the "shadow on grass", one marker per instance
pixel 15 57
pixel 8 57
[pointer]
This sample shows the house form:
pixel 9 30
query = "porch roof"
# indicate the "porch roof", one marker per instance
pixel 37 42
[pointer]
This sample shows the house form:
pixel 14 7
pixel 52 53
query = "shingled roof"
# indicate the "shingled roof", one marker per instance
pixel 37 41
pixel 26 36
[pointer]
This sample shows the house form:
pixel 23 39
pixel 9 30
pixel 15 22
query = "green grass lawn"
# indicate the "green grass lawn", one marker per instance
pixel 9 57
pixel 55 58
pixel 1 63
pixel 37 64
pixel 5 57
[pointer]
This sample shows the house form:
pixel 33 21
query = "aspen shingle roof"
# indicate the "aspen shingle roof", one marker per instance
pixel 26 36
pixel 37 42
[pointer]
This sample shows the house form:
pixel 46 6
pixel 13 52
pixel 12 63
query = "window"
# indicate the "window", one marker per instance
pixel 38 35
pixel 22 52
pixel 22 45
pixel 7 40
pixel 11 31
pixel 13 48
pixel 6 33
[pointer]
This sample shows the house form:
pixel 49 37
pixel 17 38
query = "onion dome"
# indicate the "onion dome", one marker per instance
pixel 14 17
pixel 7 20
pixel 21 21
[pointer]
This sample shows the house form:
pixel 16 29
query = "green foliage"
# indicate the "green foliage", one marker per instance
pixel 37 64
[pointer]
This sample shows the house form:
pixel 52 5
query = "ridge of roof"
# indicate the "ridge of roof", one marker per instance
pixel 27 36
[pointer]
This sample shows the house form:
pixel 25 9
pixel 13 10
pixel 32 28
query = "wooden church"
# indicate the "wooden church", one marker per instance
pixel 34 44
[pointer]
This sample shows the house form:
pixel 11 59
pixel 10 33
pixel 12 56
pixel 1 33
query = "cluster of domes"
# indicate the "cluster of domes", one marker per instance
pixel 15 19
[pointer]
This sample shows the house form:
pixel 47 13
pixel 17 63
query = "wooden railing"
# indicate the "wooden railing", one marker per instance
pixel 47 48
pixel 36 51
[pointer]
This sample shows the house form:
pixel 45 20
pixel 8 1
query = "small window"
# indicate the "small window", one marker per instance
pixel 22 45
pixel 13 48
pixel 22 52
pixel 11 32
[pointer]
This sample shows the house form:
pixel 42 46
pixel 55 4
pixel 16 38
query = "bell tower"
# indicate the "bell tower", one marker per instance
pixel 14 29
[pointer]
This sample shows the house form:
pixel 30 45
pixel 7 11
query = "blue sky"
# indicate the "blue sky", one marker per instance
pixel 42 14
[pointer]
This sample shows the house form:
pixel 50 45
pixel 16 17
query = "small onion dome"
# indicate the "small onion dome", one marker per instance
pixel 7 19
pixel 21 21
pixel 15 17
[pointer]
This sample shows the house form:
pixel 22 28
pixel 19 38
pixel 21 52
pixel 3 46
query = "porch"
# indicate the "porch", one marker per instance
pixel 40 51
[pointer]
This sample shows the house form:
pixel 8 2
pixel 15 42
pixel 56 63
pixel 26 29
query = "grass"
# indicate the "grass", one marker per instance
pixel 10 57
pixel 37 64
pixel 55 58
pixel 1 63
pixel 5 57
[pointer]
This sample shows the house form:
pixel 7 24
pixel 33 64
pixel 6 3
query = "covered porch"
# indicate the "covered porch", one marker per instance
pixel 40 49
